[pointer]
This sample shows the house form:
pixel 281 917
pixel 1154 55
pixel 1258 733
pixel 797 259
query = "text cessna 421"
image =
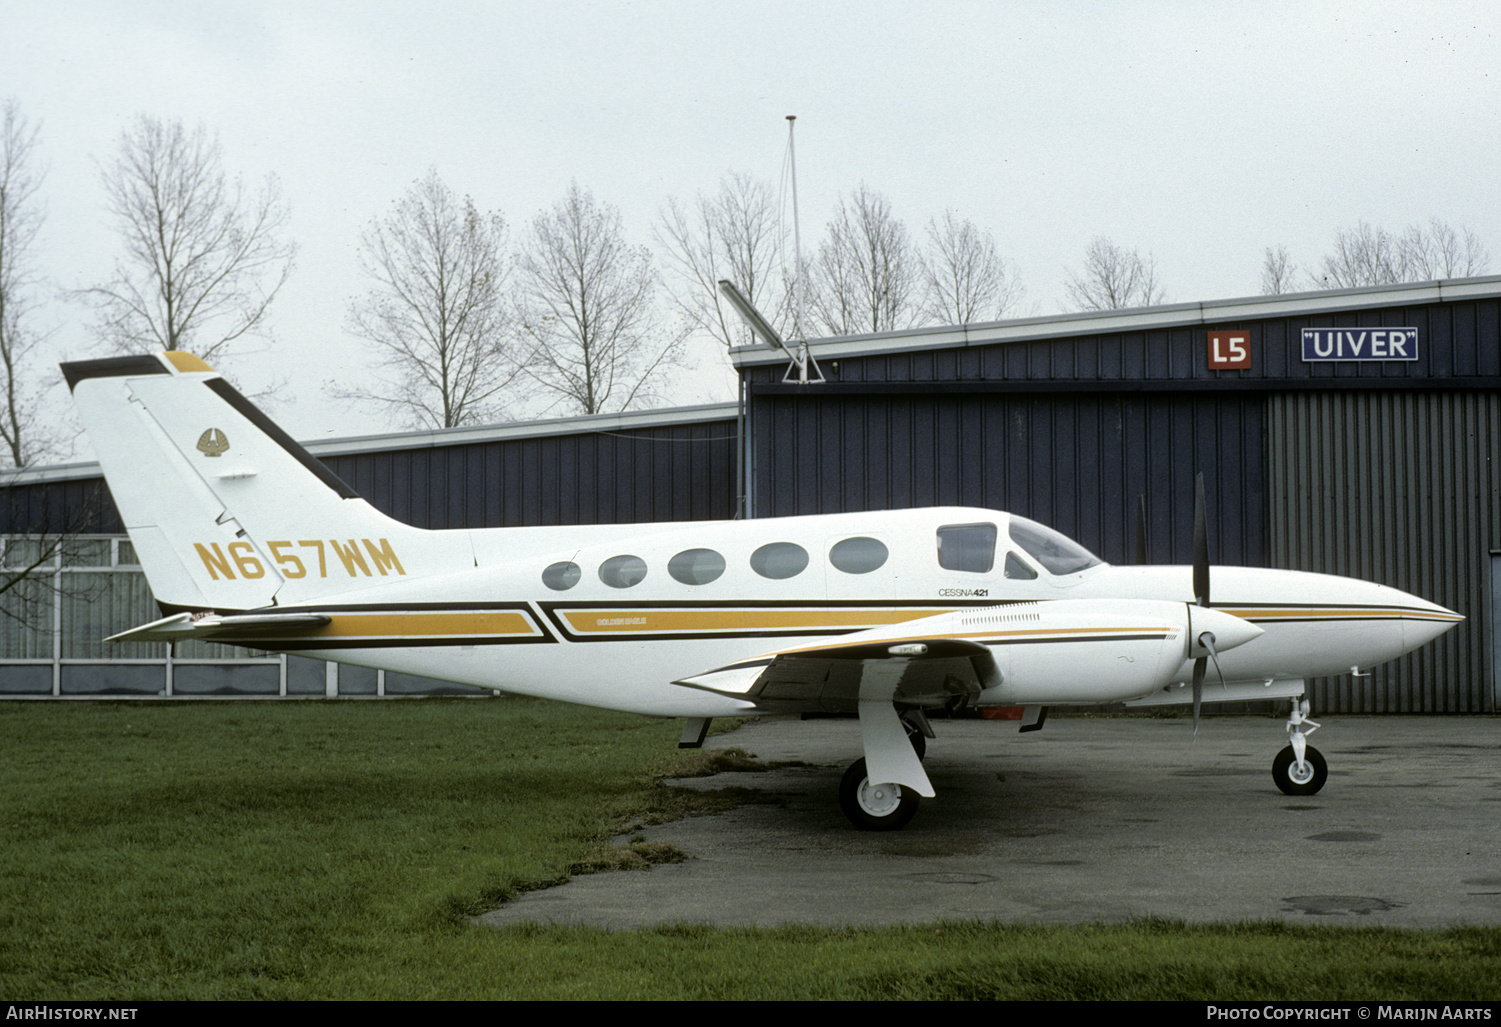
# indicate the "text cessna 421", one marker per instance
pixel 246 538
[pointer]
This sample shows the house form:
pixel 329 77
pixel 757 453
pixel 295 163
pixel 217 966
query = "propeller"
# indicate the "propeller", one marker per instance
pixel 1141 528
pixel 1204 640
pixel 1201 545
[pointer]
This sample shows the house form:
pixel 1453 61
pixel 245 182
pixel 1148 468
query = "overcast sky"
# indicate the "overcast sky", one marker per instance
pixel 1198 132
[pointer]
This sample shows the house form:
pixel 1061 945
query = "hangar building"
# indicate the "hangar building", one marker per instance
pixel 1351 431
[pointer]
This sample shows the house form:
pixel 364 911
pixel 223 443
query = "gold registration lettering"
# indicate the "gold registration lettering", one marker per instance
pixel 215 561
pixel 241 560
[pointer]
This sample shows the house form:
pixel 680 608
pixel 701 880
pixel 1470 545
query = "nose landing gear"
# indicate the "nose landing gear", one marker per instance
pixel 1299 769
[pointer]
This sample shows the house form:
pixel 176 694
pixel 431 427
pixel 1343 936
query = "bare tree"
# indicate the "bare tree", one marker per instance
pixel 1113 278
pixel 965 280
pixel 588 305
pixel 438 314
pixel 203 260
pixel 1366 255
pixel 1277 272
pixel 866 274
pixel 732 235
pixel 1362 256
pixel 20 221
pixel 1441 251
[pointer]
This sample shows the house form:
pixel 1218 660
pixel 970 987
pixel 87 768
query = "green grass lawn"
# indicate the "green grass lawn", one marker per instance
pixel 318 850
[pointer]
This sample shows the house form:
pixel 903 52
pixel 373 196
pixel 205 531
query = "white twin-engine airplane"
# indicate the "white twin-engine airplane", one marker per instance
pixel 246 538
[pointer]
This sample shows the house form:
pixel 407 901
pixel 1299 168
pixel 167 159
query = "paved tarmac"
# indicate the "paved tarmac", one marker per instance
pixel 1090 819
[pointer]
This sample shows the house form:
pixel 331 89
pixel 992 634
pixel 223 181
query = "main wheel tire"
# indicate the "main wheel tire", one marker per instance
pixel 1294 781
pixel 875 807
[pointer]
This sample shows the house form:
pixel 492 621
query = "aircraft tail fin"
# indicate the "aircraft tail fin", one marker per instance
pixel 225 510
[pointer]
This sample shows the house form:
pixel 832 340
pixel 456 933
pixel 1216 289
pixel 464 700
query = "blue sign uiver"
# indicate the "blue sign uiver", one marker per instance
pixel 1360 344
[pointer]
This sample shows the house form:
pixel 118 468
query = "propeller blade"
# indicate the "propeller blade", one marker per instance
pixel 1141 529
pixel 1198 691
pixel 1201 546
pixel 1206 639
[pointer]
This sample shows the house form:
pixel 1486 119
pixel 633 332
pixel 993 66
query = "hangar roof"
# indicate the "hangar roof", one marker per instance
pixel 1210 312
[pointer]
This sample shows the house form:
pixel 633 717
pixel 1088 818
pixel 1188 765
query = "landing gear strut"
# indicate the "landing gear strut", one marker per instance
pixel 1299 769
pixel 913 722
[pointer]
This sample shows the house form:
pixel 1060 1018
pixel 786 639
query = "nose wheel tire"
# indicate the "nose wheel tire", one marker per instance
pixel 875 807
pixel 1296 780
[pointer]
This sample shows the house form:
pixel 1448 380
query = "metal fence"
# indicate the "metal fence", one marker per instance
pixel 61 596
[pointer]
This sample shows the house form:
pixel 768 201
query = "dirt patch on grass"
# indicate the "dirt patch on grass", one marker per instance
pixel 637 855
pixel 708 762
pixel 664 805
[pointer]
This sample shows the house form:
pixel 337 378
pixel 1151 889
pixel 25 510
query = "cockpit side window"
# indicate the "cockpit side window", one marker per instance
pixel 967 547
pixel 1016 568
pixel 1057 553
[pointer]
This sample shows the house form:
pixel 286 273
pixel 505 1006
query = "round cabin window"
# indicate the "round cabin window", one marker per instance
pixel 778 560
pixel 858 555
pixel 560 577
pixel 622 571
pixel 696 566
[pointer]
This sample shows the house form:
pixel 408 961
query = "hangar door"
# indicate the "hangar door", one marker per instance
pixel 1402 488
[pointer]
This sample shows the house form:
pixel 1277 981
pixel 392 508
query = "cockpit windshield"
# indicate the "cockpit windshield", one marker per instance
pixel 1055 551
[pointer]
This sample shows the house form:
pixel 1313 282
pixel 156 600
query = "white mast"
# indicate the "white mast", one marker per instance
pixel 803 359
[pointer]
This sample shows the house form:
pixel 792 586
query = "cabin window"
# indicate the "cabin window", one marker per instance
pixel 1057 553
pixel 967 547
pixel 560 577
pixel 779 560
pixel 696 566
pixel 858 555
pixel 1017 568
pixel 622 571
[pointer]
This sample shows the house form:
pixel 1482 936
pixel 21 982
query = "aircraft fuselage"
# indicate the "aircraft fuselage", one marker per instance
pixel 630 618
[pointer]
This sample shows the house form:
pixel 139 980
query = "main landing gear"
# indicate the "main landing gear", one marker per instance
pixel 882 806
pixel 1299 769
pixel 875 807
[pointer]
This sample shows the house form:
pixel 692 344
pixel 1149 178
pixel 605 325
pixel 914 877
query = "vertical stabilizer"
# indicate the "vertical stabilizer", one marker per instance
pixel 225 510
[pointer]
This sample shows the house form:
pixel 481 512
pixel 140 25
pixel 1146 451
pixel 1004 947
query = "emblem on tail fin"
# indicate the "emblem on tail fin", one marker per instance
pixel 212 442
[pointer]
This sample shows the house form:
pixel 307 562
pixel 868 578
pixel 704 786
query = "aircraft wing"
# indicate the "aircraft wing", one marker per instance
pixel 919 663
pixel 1019 654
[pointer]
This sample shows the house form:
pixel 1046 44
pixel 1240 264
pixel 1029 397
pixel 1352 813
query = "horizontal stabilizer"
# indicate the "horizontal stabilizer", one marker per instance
pixel 211 627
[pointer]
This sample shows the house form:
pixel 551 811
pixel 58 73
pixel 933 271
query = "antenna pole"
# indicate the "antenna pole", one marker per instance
pixel 797 235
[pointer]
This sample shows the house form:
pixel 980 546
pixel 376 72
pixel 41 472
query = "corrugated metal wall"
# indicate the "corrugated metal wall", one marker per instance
pixel 81 506
pixel 1400 488
pixel 1382 470
pixel 676 472
pixel 1076 462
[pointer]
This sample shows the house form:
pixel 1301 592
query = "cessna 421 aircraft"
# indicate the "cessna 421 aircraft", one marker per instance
pixel 246 538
